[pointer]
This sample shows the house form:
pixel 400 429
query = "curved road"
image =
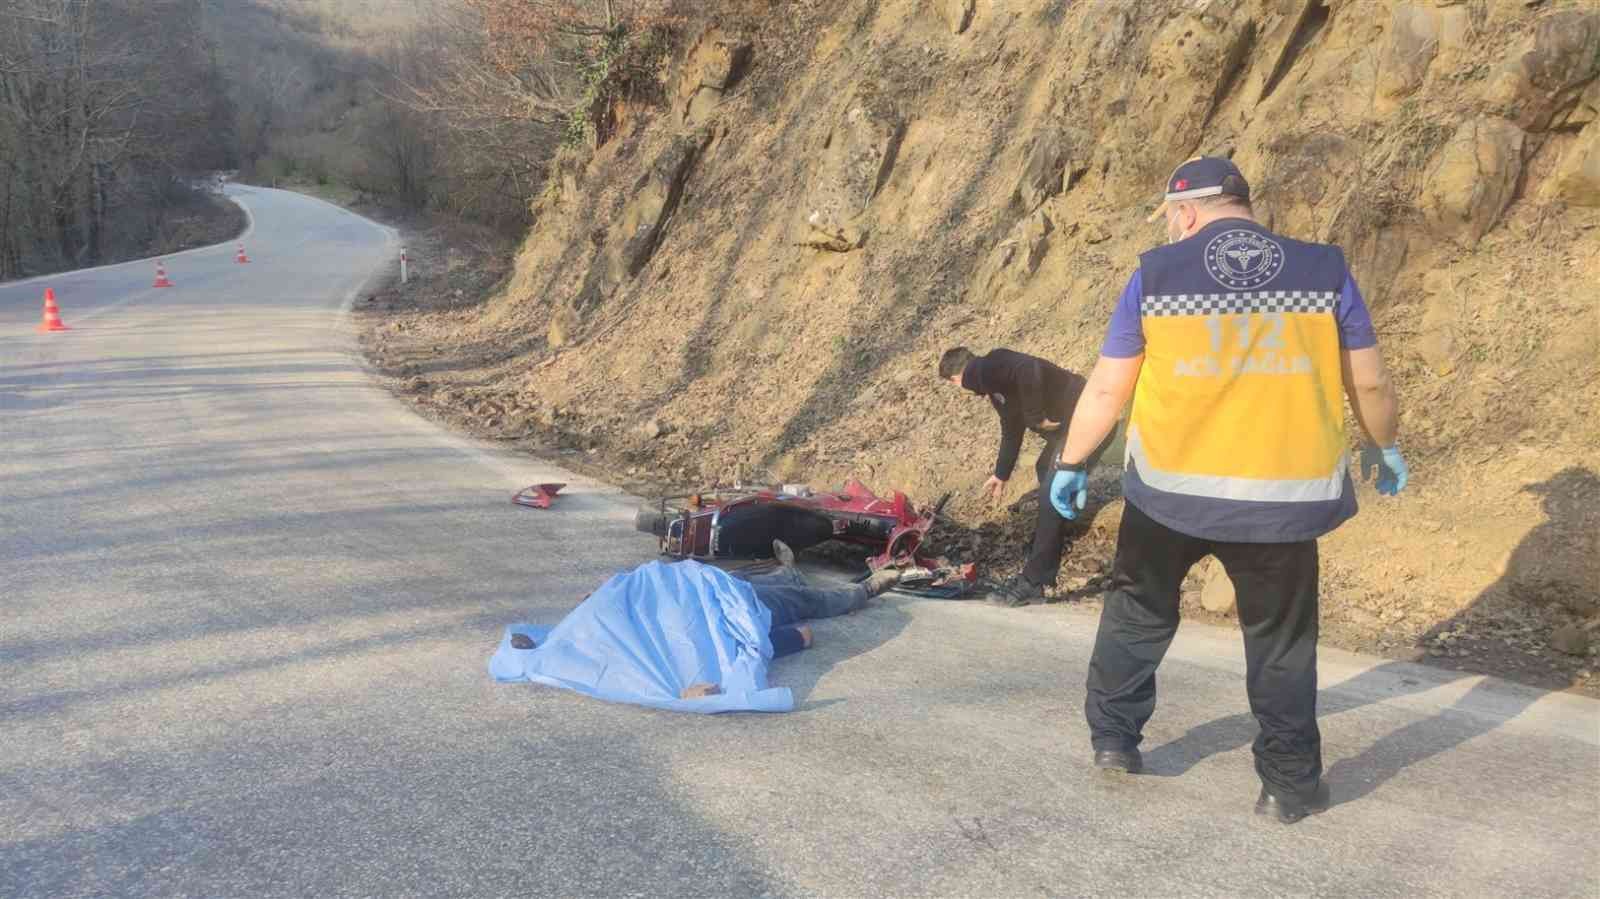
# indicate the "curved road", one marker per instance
pixel 246 600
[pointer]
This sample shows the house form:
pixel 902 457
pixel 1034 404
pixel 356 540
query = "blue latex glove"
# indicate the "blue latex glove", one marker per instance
pixel 1069 491
pixel 1390 468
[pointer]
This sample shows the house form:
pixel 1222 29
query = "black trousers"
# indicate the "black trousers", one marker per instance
pixel 1276 584
pixel 1050 530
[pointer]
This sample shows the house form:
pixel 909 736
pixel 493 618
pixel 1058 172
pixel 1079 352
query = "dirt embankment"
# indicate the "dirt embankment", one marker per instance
pixel 757 281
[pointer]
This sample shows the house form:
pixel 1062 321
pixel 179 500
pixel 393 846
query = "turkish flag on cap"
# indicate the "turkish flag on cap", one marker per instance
pixel 1181 184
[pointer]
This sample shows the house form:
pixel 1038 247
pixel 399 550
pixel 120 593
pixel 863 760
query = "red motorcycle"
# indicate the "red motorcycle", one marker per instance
pixel 741 523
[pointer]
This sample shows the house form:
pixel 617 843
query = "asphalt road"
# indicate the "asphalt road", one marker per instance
pixel 246 601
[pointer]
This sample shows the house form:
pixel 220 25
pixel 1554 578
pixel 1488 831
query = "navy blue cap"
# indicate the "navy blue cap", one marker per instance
pixel 1203 176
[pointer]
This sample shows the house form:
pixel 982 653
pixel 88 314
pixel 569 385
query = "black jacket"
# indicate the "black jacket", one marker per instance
pixel 1025 390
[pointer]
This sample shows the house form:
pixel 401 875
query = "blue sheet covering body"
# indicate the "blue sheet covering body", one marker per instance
pixel 645 635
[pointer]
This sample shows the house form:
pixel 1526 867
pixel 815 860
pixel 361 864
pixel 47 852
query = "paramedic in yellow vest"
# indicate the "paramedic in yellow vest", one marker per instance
pixel 1238 347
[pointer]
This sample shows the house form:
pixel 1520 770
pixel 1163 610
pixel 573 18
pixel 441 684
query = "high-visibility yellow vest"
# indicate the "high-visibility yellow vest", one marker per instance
pixel 1237 431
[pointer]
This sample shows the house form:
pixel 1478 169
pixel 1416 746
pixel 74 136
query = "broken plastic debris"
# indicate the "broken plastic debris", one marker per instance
pixel 539 496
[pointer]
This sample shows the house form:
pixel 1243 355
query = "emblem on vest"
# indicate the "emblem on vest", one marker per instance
pixel 1243 259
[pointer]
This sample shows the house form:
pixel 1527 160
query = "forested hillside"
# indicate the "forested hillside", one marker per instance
pixel 111 110
pixel 106 108
pixel 418 104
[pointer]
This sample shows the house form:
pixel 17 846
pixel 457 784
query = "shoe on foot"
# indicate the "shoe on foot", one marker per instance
pixel 1016 591
pixel 882 580
pixel 783 553
pixel 1119 761
pixel 1291 809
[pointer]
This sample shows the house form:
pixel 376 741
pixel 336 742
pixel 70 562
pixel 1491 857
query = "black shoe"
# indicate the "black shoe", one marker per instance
pixel 1016 591
pixel 1119 761
pixel 1290 810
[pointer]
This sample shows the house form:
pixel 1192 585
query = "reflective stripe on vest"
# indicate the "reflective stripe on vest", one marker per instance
pixel 1240 396
pixel 1234 488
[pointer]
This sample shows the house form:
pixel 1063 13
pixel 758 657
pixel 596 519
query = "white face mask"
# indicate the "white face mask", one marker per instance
pixel 1174 231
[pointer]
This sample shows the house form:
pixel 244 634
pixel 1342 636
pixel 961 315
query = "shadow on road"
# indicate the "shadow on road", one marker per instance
pixel 838 640
pixel 1357 776
pixel 46 704
pixel 512 807
pixel 1560 549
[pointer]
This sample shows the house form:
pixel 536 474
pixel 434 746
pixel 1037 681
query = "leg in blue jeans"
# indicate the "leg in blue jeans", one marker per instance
pixel 786 641
pixel 792 603
pixel 781 575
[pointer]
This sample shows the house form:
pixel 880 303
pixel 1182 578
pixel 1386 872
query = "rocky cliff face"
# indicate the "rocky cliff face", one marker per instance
pixel 840 190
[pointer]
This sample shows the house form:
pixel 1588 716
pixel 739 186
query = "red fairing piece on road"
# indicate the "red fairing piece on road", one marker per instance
pixel 741 523
pixel 539 496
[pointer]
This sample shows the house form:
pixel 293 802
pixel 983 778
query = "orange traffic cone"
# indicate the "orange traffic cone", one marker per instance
pixel 52 313
pixel 241 258
pixel 161 275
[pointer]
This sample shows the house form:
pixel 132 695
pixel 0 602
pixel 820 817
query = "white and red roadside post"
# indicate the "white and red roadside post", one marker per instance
pixel 405 269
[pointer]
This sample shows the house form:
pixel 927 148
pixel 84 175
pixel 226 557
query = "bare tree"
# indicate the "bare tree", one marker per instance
pixel 520 28
pixel 97 103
